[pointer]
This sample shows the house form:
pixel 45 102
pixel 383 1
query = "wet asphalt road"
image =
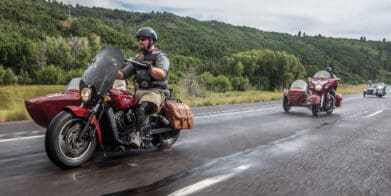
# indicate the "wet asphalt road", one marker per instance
pixel 245 149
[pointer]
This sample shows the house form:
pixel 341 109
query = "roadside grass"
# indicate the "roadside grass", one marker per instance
pixel 250 96
pixel 232 97
pixel 351 89
pixel 12 98
pixel 12 107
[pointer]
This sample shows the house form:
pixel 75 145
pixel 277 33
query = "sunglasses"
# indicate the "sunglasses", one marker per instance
pixel 142 38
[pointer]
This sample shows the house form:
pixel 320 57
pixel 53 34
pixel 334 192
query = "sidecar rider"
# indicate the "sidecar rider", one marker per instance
pixel 151 83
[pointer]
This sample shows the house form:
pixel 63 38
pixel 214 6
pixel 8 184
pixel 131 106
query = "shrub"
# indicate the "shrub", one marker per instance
pixel 10 77
pixel 50 75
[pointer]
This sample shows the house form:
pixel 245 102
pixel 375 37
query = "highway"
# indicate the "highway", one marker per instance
pixel 240 149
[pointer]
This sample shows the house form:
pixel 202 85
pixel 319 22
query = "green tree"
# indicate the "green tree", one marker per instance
pixel 207 79
pixel 2 74
pixel 74 73
pixel 240 83
pixel 50 75
pixel 76 29
pixel 10 77
pixel 59 53
pixel 18 53
pixel 24 78
pixel 221 84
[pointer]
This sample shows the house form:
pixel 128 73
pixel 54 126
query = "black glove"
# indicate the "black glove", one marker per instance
pixel 140 64
pixel 149 66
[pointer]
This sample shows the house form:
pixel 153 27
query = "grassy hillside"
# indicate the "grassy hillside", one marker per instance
pixel 32 29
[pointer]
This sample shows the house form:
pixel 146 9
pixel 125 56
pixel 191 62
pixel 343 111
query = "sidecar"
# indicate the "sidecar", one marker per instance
pixel 42 109
pixel 378 89
pixel 297 95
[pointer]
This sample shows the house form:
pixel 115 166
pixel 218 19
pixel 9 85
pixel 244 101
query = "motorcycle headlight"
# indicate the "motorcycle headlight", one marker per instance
pixel 85 94
pixel 318 87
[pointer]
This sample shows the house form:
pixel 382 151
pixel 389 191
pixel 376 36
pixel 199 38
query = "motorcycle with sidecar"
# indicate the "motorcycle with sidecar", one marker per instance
pixel 318 94
pixel 378 89
pixel 96 115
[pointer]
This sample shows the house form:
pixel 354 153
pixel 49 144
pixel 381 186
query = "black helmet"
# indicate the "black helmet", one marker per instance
pixel 147 32
pixel 329 69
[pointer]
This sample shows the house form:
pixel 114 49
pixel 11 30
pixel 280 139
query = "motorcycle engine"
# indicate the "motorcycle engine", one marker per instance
pixel 126 120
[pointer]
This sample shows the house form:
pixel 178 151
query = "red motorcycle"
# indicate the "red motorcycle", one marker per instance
pixel 106 117
pixel 318 94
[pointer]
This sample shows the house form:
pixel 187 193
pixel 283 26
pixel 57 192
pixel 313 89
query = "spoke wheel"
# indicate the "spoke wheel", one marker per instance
pixel 62 146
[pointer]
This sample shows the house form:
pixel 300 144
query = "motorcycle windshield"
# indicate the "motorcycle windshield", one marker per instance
pixel 381 85
pixel 322 74
pixel 102 71
pixel 299 84
pixel 73 84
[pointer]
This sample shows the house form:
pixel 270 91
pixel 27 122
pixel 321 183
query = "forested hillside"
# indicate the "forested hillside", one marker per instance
pixel 40 42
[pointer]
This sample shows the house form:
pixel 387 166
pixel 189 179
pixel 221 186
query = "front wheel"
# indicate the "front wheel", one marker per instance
pixel 285 104
pixel 315 109
pixel 61 143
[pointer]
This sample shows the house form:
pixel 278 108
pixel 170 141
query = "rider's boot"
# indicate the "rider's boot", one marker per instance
pixel 141 138
pixel 135 140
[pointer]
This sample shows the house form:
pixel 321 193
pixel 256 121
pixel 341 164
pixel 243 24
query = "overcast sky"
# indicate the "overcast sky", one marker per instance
pixel 331 18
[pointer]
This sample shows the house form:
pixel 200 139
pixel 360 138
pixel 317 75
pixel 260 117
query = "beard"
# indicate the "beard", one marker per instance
pixel 143 48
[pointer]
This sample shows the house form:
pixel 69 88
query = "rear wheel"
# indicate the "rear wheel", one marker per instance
pixel 167 139
pixel 285 104
pixel 330 105
pixel 61 143
pixel 364 94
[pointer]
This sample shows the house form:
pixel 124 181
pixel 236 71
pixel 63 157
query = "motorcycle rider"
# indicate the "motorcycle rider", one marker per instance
pixel 370 84
pixel 330 70
pixel 332 75
pixel 150 84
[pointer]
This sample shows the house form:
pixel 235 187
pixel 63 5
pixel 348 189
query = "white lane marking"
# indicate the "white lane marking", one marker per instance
pixel 357 114
pixel 21 138
pixel 20 133
pixel 35 132
pixel 376 113
pixel 207 182
pixel 235 112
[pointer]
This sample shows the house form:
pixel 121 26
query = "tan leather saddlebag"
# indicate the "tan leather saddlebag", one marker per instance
pixel 179 114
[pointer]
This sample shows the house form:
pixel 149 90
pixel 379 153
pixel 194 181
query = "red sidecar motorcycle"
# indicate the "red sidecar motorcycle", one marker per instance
pixel 318 94
pixel 98 115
